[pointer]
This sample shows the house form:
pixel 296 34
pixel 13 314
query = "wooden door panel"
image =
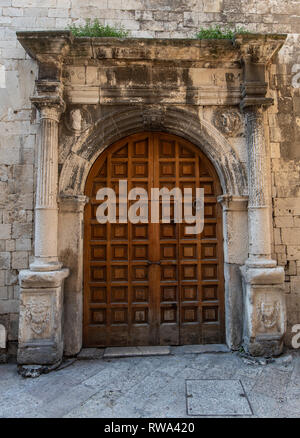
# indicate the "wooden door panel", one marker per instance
pixel 150 284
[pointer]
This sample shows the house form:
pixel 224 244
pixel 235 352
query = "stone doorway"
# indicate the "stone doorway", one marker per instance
pixel 89 96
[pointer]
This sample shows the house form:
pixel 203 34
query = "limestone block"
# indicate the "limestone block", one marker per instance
pixel 23 178
pixel 133 4
pixel 297 221
pixel 236 242
pixel 92 75
pixel 3 336
pixel 59 13
pixel 4 260
pixel 11 277
pixel 280 249
pixel 3 293
pixel 265 310
pixel 264 275
pixel 13 12
pixel 212 5
pixel 2 277
pixel 5 2
pixel 41 312
pixel 9 306
pixel 71 254
pixel 281 259
pixel 13 327
pixel 5 231
pixel 29 278
pixel 9 148
pixel 292 267
pixel 290 236
pixel 33 3
pixel 234 305
pixel 287 206
pixel 284 221
pixel 19 260
pixel 277 236
pixel 22 231
pixel 146 15
pixel 35 12
pixel 115 4
pixel 67 4
pixel 23 244
pixel 295 285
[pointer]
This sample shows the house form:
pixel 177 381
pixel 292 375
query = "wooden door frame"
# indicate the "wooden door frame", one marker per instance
pixel 154 137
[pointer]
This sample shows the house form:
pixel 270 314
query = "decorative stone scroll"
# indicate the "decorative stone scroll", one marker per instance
pixel 228 121
pixel 78 120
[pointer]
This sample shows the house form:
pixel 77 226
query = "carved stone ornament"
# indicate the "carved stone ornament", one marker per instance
pixel 268 315
pixel 153 117
pixel 78 120
pixel 228 121
pixel 37 315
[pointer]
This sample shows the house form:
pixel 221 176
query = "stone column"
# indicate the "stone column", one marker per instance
pixel 259 186
pixel 46 209
pixel 41 293
pixel 264 316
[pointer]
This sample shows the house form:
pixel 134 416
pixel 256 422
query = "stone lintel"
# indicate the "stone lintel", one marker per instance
pixel 33 279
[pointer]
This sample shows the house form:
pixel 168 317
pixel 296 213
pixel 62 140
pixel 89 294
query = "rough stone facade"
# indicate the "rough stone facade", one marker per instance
pixel 144 18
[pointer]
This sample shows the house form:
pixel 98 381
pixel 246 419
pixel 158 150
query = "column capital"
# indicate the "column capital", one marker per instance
pixel 48 99
pixel 50 109
pixel 233 202
pixel 72 203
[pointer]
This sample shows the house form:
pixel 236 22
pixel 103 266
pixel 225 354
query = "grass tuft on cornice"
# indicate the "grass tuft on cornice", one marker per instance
pixel 95 29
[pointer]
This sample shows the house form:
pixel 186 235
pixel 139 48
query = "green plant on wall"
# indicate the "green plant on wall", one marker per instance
pixel 217 32
pixel 95 29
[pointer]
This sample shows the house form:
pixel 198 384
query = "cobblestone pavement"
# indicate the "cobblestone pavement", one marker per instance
pixel 149 386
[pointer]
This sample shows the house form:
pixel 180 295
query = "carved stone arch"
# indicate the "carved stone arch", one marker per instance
pixel 184 123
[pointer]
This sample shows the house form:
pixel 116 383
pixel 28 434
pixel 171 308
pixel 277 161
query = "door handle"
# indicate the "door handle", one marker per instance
pixel 153 263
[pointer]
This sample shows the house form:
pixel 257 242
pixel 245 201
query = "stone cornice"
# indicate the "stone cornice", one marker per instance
pixel 260 47
pixel 39 44
pixel 132 69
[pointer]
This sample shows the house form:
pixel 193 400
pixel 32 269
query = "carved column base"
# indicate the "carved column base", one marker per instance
pixel 41 312
pixel 264 310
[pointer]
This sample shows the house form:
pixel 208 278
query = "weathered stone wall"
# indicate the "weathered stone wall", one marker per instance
pixel 144 18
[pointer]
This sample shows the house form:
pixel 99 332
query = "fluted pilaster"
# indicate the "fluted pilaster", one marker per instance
pixel 259 182
pixel 46 210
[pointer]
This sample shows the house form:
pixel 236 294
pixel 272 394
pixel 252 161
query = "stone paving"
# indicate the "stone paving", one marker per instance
pixel 156 386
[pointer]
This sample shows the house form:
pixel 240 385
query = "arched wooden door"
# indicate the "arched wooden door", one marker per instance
pixel 152 284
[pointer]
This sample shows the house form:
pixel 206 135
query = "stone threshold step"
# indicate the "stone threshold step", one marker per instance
pixel 115 352
pixel 159 350
pixel 201 348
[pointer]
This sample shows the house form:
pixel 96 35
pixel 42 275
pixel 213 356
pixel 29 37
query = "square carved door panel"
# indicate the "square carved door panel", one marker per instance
pixel 153 283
